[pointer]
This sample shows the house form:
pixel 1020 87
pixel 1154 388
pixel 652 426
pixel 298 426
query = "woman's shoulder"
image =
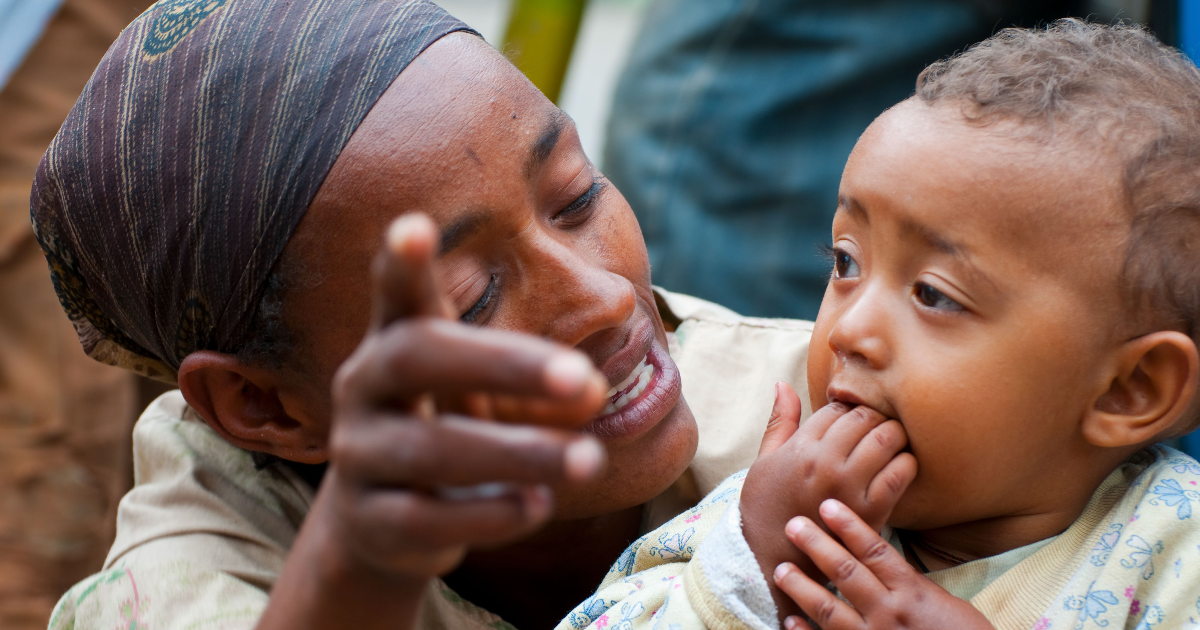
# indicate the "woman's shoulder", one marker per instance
pixel 677 308
pixel 729 365
pixel 195 493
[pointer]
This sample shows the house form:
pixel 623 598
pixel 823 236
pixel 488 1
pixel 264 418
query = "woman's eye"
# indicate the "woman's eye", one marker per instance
pixel 932 298
pixel 579 210
pixel 481 306
pixel 844 265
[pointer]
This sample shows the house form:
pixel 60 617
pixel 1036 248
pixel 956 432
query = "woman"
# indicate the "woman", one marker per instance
pixel 211 212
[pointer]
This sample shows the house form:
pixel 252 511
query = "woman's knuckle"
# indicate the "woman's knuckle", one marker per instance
pixel 400 350
pixel 342 447
pixel 405 514
pixel 346 379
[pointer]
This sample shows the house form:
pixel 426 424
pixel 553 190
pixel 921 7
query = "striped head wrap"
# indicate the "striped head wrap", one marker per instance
pixel 192 154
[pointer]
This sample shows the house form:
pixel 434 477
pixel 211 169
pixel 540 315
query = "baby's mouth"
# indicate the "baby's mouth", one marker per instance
pixel 851 399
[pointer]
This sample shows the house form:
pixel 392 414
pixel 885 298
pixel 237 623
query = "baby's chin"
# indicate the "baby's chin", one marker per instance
pixel 917 510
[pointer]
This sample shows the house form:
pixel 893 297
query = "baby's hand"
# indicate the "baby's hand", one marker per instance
pixel 852 455
pixel 883 590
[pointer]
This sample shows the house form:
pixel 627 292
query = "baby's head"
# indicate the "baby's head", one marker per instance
pixel 1017 269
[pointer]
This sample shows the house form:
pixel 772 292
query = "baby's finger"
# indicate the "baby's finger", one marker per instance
pixel 816 601
pixel 403 273
pixel 851 577
pixel 819 422
pixel 877 448
pixel 886 565
pixel 784 420
pixel 849 430
pixel 890 483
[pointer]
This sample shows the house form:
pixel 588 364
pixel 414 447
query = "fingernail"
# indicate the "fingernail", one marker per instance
pixel 829 507
pixel 583 459
pixel 794 526
pixel 400 232
pixel 567 373
pixel 781 571
pixel 791 622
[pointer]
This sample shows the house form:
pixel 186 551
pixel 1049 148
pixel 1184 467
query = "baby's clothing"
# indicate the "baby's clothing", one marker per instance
pixel 1131 560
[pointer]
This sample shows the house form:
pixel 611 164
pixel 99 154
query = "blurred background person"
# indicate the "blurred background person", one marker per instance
pixel 65 420
pixel 733 118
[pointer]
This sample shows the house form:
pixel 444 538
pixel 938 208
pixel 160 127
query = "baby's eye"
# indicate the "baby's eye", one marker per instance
pixel 931 297
pixel 844 265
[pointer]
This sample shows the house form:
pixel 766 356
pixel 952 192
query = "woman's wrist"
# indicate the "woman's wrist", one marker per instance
pixel 325 583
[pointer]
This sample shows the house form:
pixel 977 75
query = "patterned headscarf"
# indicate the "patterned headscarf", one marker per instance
pixel 178 178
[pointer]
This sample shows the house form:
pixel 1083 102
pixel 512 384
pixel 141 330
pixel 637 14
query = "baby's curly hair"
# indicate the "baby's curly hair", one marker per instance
pixel 1121 86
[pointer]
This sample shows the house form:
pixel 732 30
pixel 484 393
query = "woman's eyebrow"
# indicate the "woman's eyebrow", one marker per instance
pixel 461 229
pixel 547 140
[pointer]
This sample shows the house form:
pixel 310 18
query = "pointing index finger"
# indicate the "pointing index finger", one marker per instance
pixel 403 273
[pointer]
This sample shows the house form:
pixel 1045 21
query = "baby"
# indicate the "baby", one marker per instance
pixel 1016 283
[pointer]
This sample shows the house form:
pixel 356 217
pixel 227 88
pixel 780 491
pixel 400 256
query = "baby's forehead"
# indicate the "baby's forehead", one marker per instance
pixel 1002 190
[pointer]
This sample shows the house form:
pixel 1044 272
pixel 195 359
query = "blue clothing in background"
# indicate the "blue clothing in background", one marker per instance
pixel 732 122
pixel 21 25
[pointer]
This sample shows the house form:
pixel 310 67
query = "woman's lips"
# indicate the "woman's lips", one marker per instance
pixel 650 392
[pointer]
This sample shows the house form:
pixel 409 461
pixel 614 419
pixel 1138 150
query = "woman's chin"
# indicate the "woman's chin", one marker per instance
pixel 639 467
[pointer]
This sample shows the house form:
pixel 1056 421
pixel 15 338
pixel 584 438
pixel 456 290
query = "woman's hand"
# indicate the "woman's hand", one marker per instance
pixel 853 455
pixel 883 590
pixel 414 480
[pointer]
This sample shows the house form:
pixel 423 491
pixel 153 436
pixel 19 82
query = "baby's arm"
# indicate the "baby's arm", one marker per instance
pixel 883 590
pixel 853 455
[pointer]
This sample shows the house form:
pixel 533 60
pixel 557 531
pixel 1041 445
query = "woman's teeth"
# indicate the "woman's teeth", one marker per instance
pixel 630 388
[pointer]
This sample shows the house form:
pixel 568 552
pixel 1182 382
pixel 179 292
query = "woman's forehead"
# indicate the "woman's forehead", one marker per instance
pixel 457 130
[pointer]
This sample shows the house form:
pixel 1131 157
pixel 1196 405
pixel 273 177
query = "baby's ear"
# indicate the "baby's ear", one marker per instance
pixel 1150 393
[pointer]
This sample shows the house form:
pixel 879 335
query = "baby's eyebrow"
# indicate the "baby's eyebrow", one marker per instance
pixel 931 237
pixel 945 245
pixel 934 239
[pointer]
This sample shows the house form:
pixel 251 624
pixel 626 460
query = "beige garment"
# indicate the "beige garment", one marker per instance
pixel 64 419
pixel 730 365
pixel 203 535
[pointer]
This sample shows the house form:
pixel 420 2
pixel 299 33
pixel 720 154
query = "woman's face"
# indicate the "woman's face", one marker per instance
pixel 534 240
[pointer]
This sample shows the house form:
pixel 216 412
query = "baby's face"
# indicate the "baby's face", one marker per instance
pixel 975 298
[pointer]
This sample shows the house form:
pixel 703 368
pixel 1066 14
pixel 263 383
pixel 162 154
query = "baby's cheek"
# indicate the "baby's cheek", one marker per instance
pixel 819 370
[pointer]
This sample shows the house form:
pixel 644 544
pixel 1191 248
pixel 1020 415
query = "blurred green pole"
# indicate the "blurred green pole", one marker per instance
pixel 539 39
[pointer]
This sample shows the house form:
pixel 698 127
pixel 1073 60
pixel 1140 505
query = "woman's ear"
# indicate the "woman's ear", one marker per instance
pixel 242 403
pixel 1150 394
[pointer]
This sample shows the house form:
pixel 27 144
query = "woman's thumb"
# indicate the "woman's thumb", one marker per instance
pixel 784 420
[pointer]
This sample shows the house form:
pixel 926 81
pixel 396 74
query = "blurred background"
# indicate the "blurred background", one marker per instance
pixel 725 123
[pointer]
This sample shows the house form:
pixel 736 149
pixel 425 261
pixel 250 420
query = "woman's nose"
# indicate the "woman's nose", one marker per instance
pixel 576 295
pixel 859 333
